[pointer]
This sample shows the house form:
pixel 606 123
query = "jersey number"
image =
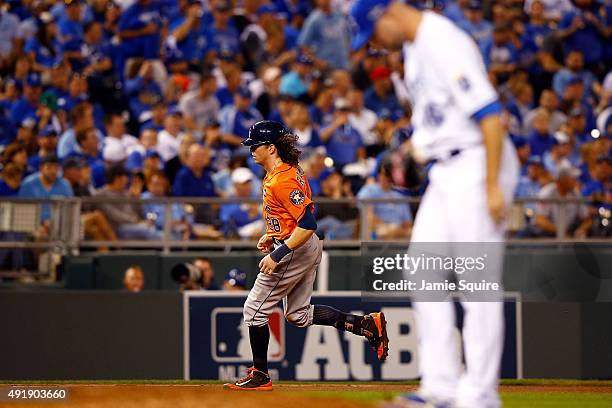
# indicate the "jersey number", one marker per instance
pixel 274 224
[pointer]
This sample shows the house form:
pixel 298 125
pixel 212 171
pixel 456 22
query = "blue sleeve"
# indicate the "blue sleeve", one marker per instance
pixel 26 190
pixel 134 85
pixel 378 163
pixel 406 213
pixel 486 53
pixel 31 46
pixel 558 83
pixel 177 212
pixel 225 213
pixel 126 21
pixel 308 221
pixel 491 109
pixel 178 189
pixel 227 116
pixel 66 189
pixel 176 23
pixel 315 140
pixel 308 34
pixel 566 21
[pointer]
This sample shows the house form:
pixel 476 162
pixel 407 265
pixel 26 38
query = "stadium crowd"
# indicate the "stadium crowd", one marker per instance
pixel 151 98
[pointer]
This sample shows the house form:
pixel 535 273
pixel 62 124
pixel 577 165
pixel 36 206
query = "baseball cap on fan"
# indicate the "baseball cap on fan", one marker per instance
pixel 241 175
pixel 364 14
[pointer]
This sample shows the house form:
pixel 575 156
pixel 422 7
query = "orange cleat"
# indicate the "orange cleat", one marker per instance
pixel 375 330
pixel 255 380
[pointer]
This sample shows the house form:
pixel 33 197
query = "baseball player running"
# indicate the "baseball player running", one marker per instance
pixel 294 253
pixel 456 116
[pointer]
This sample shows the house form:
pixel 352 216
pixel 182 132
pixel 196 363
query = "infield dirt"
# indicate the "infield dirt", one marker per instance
pixel 284 395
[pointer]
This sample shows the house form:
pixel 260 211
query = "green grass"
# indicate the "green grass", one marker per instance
pixel 510 400
pixel 556 400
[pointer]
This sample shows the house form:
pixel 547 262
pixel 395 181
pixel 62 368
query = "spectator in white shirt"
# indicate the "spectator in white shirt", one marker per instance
pixel 168 140
pixel 363 119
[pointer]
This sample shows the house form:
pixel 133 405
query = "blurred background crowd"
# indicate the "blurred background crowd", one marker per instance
pixel 151 98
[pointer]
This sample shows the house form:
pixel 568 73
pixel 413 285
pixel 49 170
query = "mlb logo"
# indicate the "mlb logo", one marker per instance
pixel 230 336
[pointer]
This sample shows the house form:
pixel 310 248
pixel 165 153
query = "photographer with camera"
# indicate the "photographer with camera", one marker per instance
pixel 198 275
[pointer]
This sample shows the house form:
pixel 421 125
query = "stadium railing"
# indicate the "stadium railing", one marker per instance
pixel 22 236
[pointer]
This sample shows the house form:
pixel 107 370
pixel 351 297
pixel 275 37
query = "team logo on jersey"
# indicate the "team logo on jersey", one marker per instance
pixel 230 335
pixel 297 197
pixel 434 116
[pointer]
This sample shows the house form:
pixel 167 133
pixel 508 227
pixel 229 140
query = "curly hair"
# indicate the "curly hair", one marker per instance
pixel 287 151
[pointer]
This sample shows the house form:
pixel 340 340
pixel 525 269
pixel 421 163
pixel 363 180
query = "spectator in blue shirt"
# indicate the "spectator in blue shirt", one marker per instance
pixel 529 184
pixel 499 54
pixel 139 28
pixel 27 106
pixel 475 25
pixel 143 92
pixel 583 29
pixel 47 183
pixel 187 31
pixel 539 139
pixel 158 187
pixel 222 34
pixel 538 26
pixel 386 220
pixel 454 10
pixel 47 145
pixel 601 183
pixel 572 71
pixel 9 24
pixel 71 34
pixel 343 142
pixel 577 122
pixel 326 32
pixel 81 117
pixel 381 95
pixel 559 155
pixel 44 48
pixel 231 72
pixel 236 119
pixel 242 219
pixel 295 82
pixel 96 52
pixel 194 179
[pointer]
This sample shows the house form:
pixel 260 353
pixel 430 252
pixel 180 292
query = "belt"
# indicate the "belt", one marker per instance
pixel 452 153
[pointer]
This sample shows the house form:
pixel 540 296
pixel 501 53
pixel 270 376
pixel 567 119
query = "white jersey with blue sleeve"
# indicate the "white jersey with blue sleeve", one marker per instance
pixel 448 86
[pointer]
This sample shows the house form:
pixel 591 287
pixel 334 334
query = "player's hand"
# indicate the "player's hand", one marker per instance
pixel 265 244
pixel 267 265
pixel 495 203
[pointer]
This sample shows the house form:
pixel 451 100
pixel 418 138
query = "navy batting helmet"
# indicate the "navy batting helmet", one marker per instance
pixel 264 132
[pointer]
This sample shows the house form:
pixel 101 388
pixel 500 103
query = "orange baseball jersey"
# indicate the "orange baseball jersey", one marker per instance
pixel 286 195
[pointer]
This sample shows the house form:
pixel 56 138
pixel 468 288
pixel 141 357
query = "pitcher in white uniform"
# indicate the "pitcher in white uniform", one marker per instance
pixel 456 116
